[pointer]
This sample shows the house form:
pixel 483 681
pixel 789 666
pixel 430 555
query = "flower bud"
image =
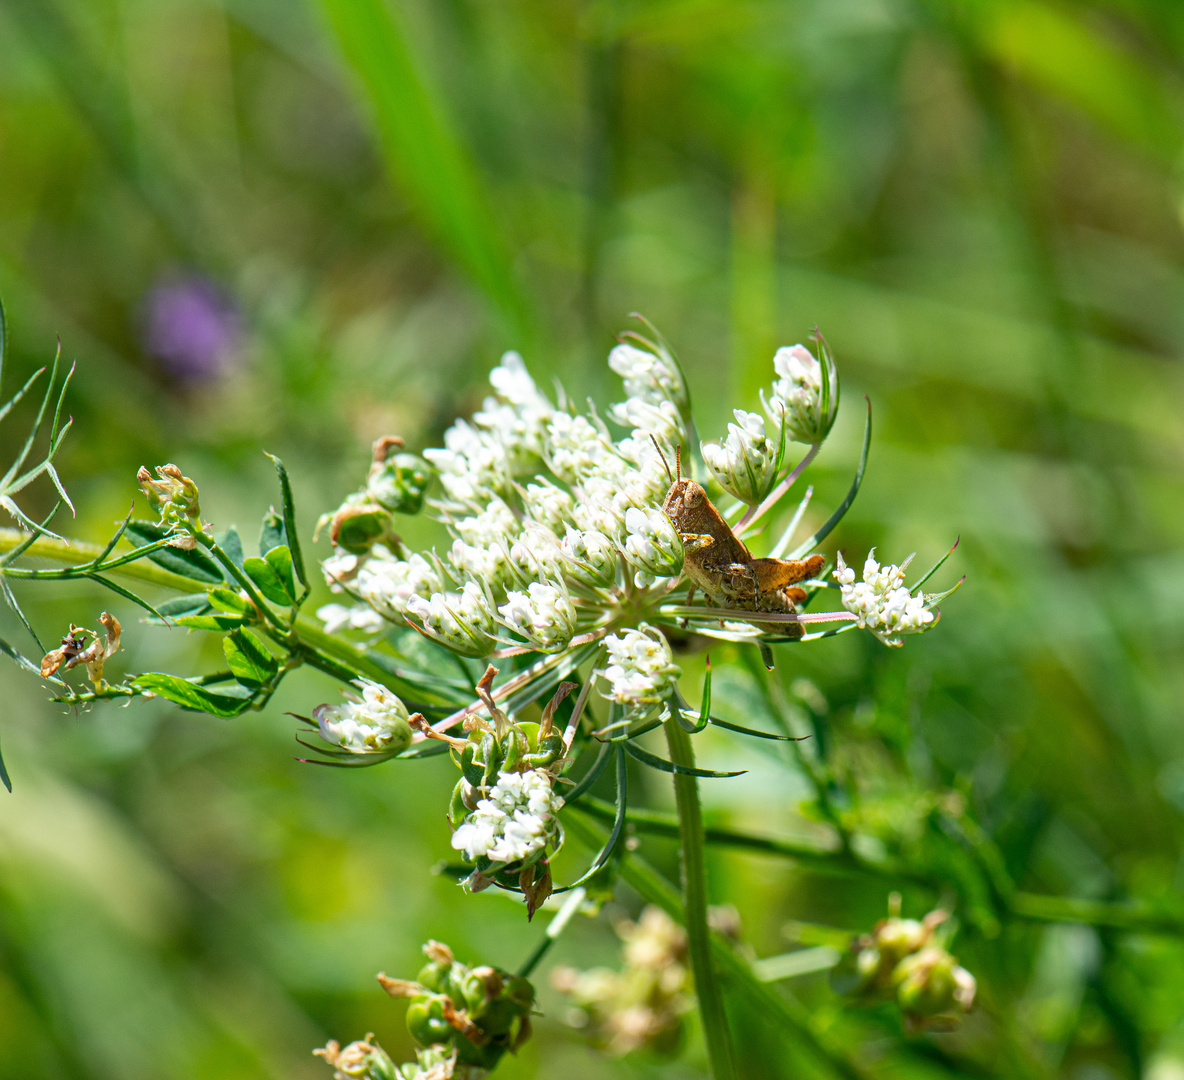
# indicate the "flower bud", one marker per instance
pixel 653 544
pixel 461 621
pixel 356 527
pixel 744 462
pixel 361 1060
pixel 375 722
pixel 590 558
pixel 175 497
pixel 544 615
pixel 398 484
pixel 641 671
pixel 925 982
pixel 805 395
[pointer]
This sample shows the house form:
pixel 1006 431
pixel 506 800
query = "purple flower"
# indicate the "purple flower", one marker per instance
pixel 192 327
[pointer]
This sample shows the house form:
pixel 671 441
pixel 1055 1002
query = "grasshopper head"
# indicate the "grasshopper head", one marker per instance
pixel 683 499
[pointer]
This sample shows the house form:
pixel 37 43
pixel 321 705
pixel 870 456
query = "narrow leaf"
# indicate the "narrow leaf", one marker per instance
pixel 190 604
pixel 934 568
pixel 195 565
pixel 190 695
pixel 646 758
pixel 591 776
pixel 717 722
pixel 267 581
pixel 618 824
pixel 125 592
pixel 809 545
pixel 17 657
pixel 219 623
pixel 10 597
pixel 248 658
pixel 3 771
pixel 292 538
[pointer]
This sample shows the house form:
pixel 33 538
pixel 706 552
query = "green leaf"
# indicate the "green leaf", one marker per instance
pixel 809 545
pixel 591 776
pixel 292 538
pixel 646 758
pixel 248 658
pixel 190 695
pixel 267 581
pixel 423 149
pixel 280 560
pixel 189 604
pixel 229 600
pixel 231 543
pixel 618 824
pixel 3 771
pixel 273 533
pixel 220 623
pixel 195 565
pixel 717 722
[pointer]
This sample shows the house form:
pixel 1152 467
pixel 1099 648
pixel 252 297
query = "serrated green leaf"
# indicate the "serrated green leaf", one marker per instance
pixel 272 533
pixel 267 581
pixel 280 560
pixel 229 600
pixel 195 565
pixel 291 537
pixel 248 658
pixel 220 623
pixel 190 695
pixel 231 543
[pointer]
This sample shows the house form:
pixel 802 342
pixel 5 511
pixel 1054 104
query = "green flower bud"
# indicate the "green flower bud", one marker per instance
pixel 426 1022
pixel 399 483
pixel 357 527
pixel 925 982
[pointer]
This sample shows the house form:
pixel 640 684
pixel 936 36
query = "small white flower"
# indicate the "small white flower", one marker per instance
pixel 514 821
pixel 658 419
pixel 548 504
pixel 337 617
pixel 544 615
pixel 641 670
pixel 653 544
pixel 881 603
pixel 799 399
pixel 462 621
pixel 536 554
pixel 376 721
pixel 496 524
pixel 591 558
pixel 575 446
pixel 389 584
pixel 744 462
pixel 646 375
pixel 481 564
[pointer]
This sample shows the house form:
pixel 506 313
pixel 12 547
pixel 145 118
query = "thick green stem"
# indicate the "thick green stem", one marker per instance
pixel 694 887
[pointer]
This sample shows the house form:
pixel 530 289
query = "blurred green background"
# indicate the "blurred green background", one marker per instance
pixel 298 226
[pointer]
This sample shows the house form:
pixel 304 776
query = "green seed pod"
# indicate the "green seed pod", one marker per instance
pixel 399 484
pixel 425 1020
pixel 550 749
pixel 357 528
pixel 458 809
pixel 925 982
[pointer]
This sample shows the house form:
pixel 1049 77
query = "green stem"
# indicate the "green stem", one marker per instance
pixel 694 883
pixel 248 586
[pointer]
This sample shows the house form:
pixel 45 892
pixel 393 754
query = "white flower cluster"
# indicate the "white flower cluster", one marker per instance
pixel 544 615
pixel 798 398
pixel 514 821
pixel 881 603
pixel 547 510
pixel 375 721
pixel 640 670
pixel 745 461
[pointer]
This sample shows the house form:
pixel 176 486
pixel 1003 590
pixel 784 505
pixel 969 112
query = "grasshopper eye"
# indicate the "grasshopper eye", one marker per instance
pixel 693 495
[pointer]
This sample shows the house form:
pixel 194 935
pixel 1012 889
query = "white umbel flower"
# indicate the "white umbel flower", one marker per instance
pixel 805 395
pixel 653 544
pixel 640 670
pixel 515 821
pixel 462 621
pixel 338 617
pixel 744 462
pixel 544 615
pixel 880 602
pixel 591 558
pixel 388 584
pixel 375 721
pixel 646 375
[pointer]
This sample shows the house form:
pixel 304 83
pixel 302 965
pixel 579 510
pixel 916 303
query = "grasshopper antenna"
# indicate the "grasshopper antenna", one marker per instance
pixel 678 460
pixel 665 463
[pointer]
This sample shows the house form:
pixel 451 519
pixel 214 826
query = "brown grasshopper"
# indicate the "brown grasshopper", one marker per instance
pixel 718 562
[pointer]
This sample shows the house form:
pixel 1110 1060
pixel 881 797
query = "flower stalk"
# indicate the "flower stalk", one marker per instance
pixel 693 849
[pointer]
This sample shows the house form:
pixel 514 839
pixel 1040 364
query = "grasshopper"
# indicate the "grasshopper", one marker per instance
pixel 718 562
